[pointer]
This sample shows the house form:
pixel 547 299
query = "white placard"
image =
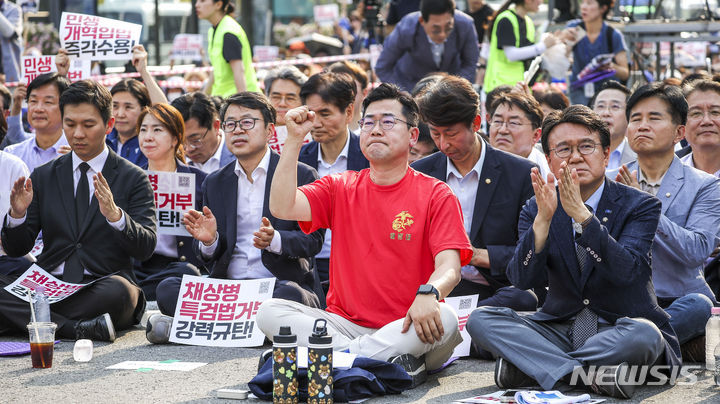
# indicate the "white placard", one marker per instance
pixel 158 365
pixel 34 277
pixel 98 38
pixel 266 53
pixel 33 66
pixel 326 14
pixel 463 306
pixel 219 312
pixel 174 195
pixel 187 47
pixel 277 140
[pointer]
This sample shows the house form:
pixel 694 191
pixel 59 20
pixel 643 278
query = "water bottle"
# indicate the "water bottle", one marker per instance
pixel 40 306
pixel 717 365
pixel 320 352
pixel 284 355
pixel 712 338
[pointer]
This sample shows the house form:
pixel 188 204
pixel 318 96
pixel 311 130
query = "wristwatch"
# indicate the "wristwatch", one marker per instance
pixel 427 289
pixel 578 227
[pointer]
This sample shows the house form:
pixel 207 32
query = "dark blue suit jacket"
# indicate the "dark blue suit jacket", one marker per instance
pixel 184 243
pixel 220 191
pixel 497 205
pixel 617 280
pixel 356 160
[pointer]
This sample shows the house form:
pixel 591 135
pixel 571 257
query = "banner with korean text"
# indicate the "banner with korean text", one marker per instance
pixel 463 306
pixel 34 277
pixel 33 66
pixel 187 47
pixel 174 195
pixel 97 38
pixel 219 312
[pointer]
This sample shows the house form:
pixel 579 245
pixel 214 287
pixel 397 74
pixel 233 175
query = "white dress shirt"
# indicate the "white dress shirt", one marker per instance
pixel 538 157
pixel 96 165
pixel 11 168
pixel 465 188
pixel 32 155
pixel 213 163
pixel 688 161
pixel 616 156
pixel 324 168
pixel 246 260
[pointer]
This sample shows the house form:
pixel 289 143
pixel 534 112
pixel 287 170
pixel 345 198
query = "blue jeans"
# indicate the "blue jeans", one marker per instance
pixel 689 315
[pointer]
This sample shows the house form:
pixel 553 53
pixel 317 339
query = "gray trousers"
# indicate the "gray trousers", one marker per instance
pixel 381 343
pixel 543 349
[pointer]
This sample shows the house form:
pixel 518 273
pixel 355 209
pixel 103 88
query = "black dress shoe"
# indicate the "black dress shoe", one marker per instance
pixel 613 381
pixel 99 328
pixel 508 376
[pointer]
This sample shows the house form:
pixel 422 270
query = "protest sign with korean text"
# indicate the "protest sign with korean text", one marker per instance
pixel 463 306
pixel 187 47
pixel 219 312
pixel 97 38
pixel 266 53
pixel 34 277
pixel 326 14
pixel 33 66
pixel 277 140
pixel 174 195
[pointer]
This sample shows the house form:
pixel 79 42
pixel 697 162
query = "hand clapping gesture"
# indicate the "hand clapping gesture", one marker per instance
pixel 570 197
pixel 628 178
pixel 264 235
pixel 202 226
pixel 20 197
pixel 104 196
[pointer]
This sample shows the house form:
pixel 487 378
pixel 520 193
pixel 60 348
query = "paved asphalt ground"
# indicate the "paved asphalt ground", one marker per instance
pixel 71 382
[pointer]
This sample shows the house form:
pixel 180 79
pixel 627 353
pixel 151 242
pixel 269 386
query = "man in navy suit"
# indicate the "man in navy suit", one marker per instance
pixel 690 222
pixel 437 38
pixel 334 148
pixel 238 237
pixel 204 140
pixel 96 212
pixel 589 240
pixel 492 187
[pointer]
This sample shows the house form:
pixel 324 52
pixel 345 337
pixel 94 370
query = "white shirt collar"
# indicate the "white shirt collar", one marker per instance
pixel 218 152
pixel 451 170
pixel 343 152
pixel 621 147
pixel 262 167
pixel 96 163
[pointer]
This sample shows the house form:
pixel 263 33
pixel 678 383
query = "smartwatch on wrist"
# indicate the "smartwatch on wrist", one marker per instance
pixel 427 289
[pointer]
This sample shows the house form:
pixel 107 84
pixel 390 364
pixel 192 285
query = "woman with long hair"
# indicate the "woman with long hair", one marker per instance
pixel 161 132
pixel 599 38
pixel 512 43
pixel 228 49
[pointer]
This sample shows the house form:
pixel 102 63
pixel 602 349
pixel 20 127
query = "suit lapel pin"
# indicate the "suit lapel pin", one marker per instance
pixel 667 195
pixel 605 219
pixel 488 180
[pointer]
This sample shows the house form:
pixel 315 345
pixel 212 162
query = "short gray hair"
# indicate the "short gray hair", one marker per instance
pixel 290 73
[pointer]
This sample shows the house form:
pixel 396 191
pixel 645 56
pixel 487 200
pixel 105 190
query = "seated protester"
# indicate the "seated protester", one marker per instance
pixel 550 100
pixel 703 128
pixel 424 146
pixel 11 168
pixel 97 214
pixel 609 103
pixel 601 308
pixel 160 133
pixel 282 87
pixel 204 140
pixel 492 187
pixel 130 97
pixel 360 78
pixel 416 225
pixel 702 132
pixel 43 99
pixel 334 148
pixel 515 127
pixel 256 244
pixel 689 227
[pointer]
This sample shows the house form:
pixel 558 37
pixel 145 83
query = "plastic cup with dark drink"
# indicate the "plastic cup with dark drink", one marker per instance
pixel 42 343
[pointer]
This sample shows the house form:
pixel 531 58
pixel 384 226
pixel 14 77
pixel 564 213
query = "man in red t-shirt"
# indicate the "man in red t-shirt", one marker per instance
pixel 398 243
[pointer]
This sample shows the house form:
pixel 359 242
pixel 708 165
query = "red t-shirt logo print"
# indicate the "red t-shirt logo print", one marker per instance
pixel 402 220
